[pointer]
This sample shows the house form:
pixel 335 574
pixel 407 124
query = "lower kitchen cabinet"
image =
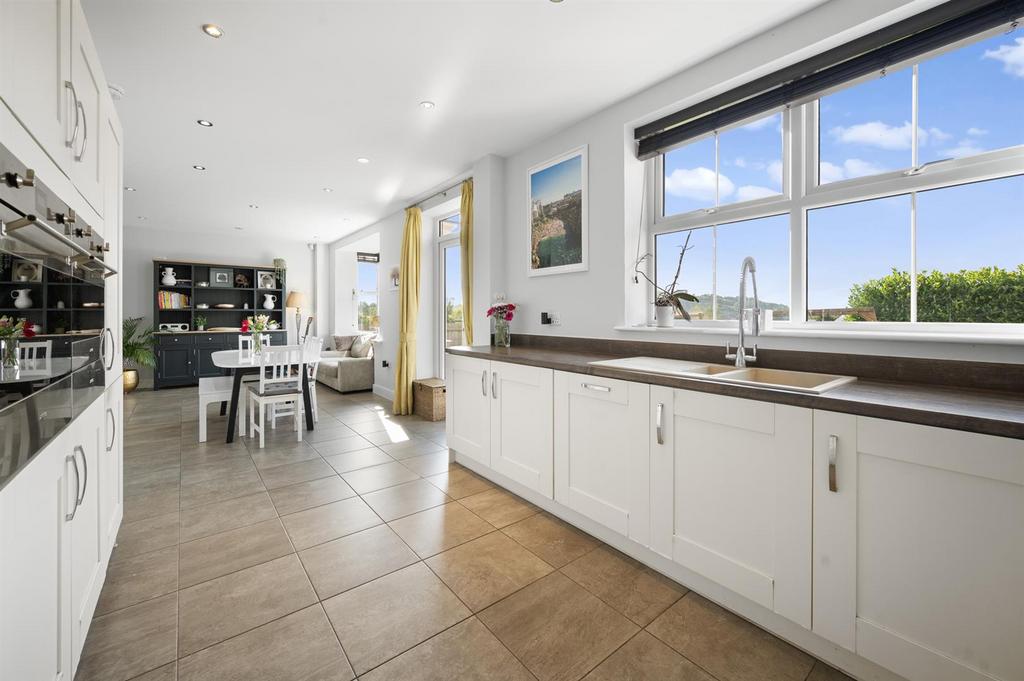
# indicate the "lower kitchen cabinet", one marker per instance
pixel 731 495
pixel 919 547
pixel 602 457
pixel 468 407
pixel 112 468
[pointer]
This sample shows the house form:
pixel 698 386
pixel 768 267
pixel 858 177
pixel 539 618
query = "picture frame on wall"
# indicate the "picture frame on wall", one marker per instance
pixel 558 232
pixel 266 279
pixel 222 277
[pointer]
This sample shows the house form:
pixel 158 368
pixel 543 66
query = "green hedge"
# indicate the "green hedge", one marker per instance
pixel 987 295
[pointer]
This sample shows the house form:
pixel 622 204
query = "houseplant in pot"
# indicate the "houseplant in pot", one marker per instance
pixel 200 321
pixel 137 350
pixel 668 300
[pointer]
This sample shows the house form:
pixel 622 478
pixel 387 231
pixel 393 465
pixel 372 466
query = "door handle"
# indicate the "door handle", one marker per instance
pixel 68 517
pixel 85 134
pixel 483 382
pixel 494 385
pixel 74 102
pixel 657 423
pixel 85 474
pixel 596 388
pixel 833 454
pixel 113 428
pixel 107 331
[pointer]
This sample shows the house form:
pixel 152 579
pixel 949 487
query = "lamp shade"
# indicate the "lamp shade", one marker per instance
pixel 295 299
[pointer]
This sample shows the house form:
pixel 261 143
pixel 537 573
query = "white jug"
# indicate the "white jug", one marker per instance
pixel 168 277
pixel 269 301
pixel 21 299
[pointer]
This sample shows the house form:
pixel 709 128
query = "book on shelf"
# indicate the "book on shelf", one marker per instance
pixel 168 300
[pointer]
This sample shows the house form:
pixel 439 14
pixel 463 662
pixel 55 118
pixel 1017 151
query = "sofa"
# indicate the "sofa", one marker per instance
pixel 347 363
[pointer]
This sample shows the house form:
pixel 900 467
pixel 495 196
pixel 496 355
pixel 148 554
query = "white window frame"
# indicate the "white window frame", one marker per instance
pixel 443 242
pixel 359 292
pixel 801 193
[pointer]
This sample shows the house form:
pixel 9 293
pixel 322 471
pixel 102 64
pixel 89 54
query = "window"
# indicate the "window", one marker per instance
pixel 905 207
pixel 367 310
pixel 449 225
pixel 449 286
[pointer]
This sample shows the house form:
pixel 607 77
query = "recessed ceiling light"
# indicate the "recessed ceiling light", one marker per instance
pixel 363 160
pixel 213 30
pixel 199 167
pixel 129 189
pixel 426 104
pixel 556 1
pixel 239 228
pixel 141 217
pixel 253 205
pixel 328 190
pixel 205 123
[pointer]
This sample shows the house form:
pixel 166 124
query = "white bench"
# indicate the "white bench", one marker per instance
pixel 216 389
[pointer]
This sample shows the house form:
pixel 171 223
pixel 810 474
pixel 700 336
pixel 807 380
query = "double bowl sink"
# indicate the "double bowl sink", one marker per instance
pixel 778 379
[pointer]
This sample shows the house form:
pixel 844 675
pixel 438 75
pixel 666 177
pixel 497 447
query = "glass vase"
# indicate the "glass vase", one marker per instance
pixel 502 334
pixel 9 352
pixel 257 343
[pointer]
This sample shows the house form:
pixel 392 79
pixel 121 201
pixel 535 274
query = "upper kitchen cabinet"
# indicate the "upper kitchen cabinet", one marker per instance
pixel 88 91
pixel 35 60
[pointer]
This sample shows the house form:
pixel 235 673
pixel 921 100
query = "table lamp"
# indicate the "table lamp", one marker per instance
pixel 296 299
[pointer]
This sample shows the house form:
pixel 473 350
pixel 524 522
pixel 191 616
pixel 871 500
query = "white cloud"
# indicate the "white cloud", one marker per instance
pixel 775 172
pixel 852 167
pixel 830 172
pixel 885 136
pixel 965 147
pixel 697 184
pixel 1012 57
pixel 749 192
pixel 977 132
pixel 761 123
pixel 740 162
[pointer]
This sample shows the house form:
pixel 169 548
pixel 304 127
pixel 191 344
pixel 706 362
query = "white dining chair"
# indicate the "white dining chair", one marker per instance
pixel 278 385
pixel 214 389
pixel 245 341
pixel 311 349
pixel 35 349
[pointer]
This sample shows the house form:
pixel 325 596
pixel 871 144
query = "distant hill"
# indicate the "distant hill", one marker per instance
pixel 728 307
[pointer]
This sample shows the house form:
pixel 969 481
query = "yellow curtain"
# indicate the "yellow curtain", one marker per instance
pixel 466 249
pixel 408 308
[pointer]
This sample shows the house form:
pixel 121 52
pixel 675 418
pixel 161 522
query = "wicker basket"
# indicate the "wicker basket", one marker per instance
pixel 428 398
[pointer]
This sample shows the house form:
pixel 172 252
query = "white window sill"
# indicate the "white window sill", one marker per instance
pixel 924 335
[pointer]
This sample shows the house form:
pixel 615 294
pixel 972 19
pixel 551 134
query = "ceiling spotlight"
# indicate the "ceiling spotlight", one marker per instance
pixel 328 190
pixel 363 160
pixel 141 217
pixel 205 123
pixel 129 189
pixel 239 228
pixel 199 167
pixel 213 30
pixel 253 205
pixel 426 104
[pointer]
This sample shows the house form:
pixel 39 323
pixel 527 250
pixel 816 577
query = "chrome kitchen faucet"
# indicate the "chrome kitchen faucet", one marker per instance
pixel 741 355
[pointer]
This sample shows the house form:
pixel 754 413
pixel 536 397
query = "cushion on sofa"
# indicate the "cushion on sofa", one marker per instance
pixel 362 347
pixel 344 342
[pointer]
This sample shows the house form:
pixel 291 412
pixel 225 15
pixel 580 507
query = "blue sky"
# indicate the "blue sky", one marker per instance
pixel 970 100
pixel 557 181
pixel 453 275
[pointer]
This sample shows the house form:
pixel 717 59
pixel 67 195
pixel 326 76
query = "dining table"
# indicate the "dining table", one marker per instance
pixel 241 363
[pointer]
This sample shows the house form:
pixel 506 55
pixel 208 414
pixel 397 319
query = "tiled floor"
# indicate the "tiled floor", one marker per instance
pixel 362 551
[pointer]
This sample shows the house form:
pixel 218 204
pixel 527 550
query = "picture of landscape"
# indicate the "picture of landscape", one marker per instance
pixel 558 216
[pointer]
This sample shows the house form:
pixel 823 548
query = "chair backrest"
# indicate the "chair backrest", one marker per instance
pixel 35 349
pixel 276 367
pixel 311 354
pixel 245 341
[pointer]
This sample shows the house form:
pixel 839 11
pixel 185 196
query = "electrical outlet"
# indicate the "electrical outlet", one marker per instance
pixel 384 364
pixel 545 318
pixel 550 318
pixel 556 319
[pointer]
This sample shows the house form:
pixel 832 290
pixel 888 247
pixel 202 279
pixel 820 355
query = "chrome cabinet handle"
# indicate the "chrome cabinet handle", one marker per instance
pixel 107 331
pixel 68 517
pixel 596 388
pixel 113 428
pixel 494 384
pixel 483 382
pixel 85 134
pixel 74 98
pixel 657 423
pixel 85 473
pixel 833 454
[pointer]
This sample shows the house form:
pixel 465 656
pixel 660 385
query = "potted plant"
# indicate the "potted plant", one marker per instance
pixel 11 330
pixel 200 322
pixel 137 350
pixel 668 300
pixel 502 313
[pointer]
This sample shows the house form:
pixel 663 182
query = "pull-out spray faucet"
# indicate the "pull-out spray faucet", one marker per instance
pixel 741 355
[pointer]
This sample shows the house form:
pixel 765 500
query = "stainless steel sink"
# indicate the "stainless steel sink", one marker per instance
pixel 778 379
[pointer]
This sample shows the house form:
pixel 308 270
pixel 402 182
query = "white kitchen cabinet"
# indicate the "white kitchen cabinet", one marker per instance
pixel 112 232
pixel 602 451
pixel 111 485
pixel 89 92
pixel 35 60
pixel 919 547
pixel 468 407
pixel 731 489
pixel 522 450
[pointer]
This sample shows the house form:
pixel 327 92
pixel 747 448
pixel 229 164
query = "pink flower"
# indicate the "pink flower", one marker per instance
pixel 508 316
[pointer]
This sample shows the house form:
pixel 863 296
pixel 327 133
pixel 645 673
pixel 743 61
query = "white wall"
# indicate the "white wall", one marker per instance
pixel 345 269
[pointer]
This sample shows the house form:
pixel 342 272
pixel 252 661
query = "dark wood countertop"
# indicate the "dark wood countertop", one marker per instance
pixel 979 411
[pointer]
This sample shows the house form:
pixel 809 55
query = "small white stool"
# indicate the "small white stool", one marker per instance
pixel 216 389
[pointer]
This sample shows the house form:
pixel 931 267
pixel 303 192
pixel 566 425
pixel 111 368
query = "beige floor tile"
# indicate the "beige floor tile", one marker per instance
pixel 359 419
pixel 428 464
pixel 440 528
pixel 299 647
pixel 467 652
pixel 281 454
pixel 224 607
pixel 413 447
pixel 330 521
pixel 221 489
pixel 169 672
pixel 212 448
pixel 152 480
pixel 636 591
pixel 305 495
pixel 144 460
pixel 221 554
pixel 226 515
pixel 358 558
pixel 728 647
pixel 459 482
pixel 223 466
pixel 378 477
pixel 129 642
pixel 485 570
pixel 390 433
pixel 498 507
pixel 361 458
pixel 147 535
pixel 379 620
pixel 556 542
pixel 645 658
pixel 327 431
pixel 139 578
pixel 151 505
pixel 823 672
pixel 292 473
pixel 557 629
pixel 392 503
pixel 350 443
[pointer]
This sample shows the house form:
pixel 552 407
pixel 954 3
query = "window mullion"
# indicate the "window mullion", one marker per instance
pixel 913 256
pixel 714 234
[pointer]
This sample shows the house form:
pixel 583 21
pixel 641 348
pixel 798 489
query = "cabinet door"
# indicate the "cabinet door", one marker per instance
pixel 468 406
pixel 112 219
pixel 112 485
pixel 919 553
pixel 521 424
pixel 204 360
pixel 87 527
pixel 33 590
pixel 174 365
pixel 34 61
pixel 89 85
pixel 734 497
pixel 602 451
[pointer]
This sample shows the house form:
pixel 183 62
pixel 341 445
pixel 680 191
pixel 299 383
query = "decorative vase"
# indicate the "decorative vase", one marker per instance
pixel 502 334
pixel 257 343
pixel 168 278
pixel 9 352
pixel 664 316
pixel 21 298
pixel 131 380
pixel 269 301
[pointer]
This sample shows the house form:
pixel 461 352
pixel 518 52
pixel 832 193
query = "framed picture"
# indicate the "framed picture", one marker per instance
pixel 222 277
pixel 558 215
pixel 266 279
pixel 25 271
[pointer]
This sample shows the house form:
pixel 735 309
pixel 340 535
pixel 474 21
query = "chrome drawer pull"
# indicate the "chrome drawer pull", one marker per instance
pixel 833 453
pixel 597 388
pixel 483 382
pixel 657 422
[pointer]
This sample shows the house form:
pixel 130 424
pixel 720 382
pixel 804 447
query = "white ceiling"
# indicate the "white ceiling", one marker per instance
pixel 298 89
